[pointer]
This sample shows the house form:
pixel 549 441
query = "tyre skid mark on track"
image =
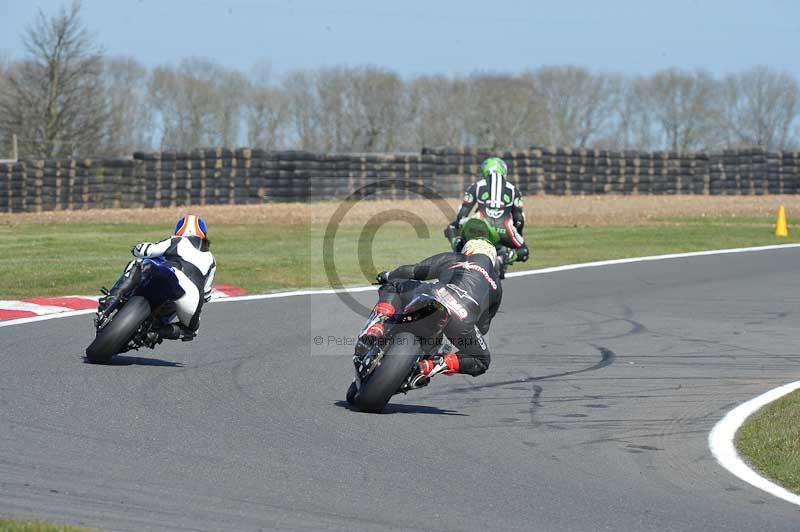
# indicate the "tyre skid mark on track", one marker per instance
pixel 607 358
pixel 756 481
pixel 535 404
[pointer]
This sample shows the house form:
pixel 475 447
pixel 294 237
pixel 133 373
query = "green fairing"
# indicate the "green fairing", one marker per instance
pixel 479 228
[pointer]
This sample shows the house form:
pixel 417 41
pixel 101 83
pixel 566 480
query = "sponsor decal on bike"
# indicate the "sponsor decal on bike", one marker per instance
pixel 460 292
pixel 475 268
pixel 449 301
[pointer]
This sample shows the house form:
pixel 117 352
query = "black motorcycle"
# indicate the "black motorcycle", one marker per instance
pixel 390 364
pixel 132 318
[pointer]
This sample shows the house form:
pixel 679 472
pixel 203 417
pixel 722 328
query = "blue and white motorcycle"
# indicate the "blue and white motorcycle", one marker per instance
pixel 130 316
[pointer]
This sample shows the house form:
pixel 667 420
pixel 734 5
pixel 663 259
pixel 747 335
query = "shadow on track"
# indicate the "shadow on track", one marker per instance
pixel 121 360
pixel 395 408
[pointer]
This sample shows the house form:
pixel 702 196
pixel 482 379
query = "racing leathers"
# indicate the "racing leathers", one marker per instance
pixel 499 202
pixel 194 268
pixel 469 286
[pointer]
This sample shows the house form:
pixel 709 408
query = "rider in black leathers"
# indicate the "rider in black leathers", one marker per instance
pixel 470 287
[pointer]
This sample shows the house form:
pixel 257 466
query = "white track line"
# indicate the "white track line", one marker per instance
pixel 44 317
pixel 614 262
pixel 541 271
pixel 31 307
pixel 721 437
pixel 278 295
pixel 722 447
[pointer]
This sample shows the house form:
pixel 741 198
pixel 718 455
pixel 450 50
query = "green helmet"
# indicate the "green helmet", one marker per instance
pixel 494 165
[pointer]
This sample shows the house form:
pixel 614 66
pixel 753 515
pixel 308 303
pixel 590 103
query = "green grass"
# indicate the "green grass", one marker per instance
pixel 770 441
pixel 59 259
pixel 9 525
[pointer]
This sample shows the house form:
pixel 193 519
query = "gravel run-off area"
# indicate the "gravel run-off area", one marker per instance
pixel 540 210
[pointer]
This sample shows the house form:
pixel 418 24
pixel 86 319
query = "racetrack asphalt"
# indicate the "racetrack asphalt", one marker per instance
pixel 594 415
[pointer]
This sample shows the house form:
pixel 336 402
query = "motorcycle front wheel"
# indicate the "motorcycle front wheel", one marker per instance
pixel 384 381
pixel 113 337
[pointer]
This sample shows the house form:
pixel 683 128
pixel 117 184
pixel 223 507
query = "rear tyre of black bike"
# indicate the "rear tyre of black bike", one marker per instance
pixel 385 380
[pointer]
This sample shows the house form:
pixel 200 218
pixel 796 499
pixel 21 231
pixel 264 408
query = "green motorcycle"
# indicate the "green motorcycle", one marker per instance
pixel 477 227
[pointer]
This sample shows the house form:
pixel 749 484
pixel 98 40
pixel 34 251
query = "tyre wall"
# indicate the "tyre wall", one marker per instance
pixel 245 176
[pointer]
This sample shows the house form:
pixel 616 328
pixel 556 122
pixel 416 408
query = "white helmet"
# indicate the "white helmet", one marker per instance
pixel 480 246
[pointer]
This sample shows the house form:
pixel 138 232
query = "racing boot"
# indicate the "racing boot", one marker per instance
pixel 128 279
pixel 176 331
pixel 447 364
pixel 373 330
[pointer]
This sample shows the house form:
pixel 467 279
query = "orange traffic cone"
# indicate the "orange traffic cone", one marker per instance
pixel 780 225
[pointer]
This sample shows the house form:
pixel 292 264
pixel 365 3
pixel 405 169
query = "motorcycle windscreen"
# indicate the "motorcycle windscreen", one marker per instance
pixel 423 306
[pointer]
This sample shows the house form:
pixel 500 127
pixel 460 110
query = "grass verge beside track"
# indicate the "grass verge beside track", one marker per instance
pixel 50 259
pixel 770 441
pixel 9 525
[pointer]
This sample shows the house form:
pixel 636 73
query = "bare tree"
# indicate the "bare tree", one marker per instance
pixel 632 121
pixel 5 136
pixel 197 104
pixel 761 104
pixel 578 105
pixel 265 111
pixel 130 123
pixel 231 88
pixel 376 108
pixel 436 110
pixel 333 109
pixel 54 99
pixel 267 117
pixel 685 107
pixel 304 131
pixel 502 111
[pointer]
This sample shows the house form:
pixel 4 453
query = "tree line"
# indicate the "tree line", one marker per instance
pixel 65 97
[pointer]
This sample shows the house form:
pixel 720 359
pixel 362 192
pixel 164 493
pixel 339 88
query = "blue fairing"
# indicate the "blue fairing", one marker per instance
pixel 159 283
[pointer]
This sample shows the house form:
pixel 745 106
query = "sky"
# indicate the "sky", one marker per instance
pixel 451 37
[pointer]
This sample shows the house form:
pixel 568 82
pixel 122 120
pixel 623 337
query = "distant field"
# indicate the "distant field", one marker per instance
pixel 540 210
pixel 67 253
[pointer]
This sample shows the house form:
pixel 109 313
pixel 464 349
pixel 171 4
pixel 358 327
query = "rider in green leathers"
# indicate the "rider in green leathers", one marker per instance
pixel 497 201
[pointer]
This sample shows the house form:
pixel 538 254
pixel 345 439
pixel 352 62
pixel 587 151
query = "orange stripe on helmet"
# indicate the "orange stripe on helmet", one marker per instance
pixel 184 225
pixel 200 232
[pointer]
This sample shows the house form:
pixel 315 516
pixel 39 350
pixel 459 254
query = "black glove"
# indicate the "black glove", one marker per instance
pixel 523 253
pixel 452 234
pixel 382 278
